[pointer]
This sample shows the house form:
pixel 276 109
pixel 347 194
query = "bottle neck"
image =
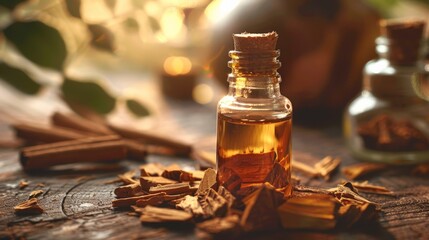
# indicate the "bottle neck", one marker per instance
pixel 395 74
pixel 254 74
pixel 400 52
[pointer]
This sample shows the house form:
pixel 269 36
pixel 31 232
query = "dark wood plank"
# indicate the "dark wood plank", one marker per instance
pixel 79 208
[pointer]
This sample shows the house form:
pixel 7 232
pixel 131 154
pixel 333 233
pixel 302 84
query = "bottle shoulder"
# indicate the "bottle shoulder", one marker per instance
pixel 383 66
pixel 278 107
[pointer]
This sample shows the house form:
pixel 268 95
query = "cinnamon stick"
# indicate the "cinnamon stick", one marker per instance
pixel 41 134
pixel 180 148
pixel 78 123
pixel 95 149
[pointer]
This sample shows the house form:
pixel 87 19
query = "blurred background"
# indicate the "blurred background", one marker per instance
pixel 129 59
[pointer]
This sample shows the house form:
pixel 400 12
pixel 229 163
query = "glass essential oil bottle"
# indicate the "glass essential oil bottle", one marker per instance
pixel 254 120
pixel 389 121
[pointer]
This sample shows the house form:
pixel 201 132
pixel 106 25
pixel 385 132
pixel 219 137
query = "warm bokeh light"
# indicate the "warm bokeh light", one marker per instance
pixel 202 94
pixel 172 22
pixel 218 9
pixel 177 65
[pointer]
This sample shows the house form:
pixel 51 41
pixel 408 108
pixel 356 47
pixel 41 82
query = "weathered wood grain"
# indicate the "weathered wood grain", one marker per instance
pixel 80 208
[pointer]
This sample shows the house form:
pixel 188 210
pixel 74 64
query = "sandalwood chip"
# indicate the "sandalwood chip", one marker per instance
pixel 229 179
pixel 130 190
pixel 324 168
pixel 128 177
pixel 163 215
pixel 152 201
pixel 191 205
pixel 209 179
pixel 261 209
pixel 30 206
pixel 178 175
pixel 23 184
pixel 127 202
pixel 327 166
pixel 230 199
pixel 347 194
pixel 315 208
pixel 147 182
pixel 278 176
pixel 212 203
pixel 174 188
pixel 370 188
pixel 221 227
pixel 309 211
pixel 35 193
pixel 361 169
pixel 153 169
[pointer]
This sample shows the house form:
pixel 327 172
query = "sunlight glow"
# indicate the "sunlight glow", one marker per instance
pixel 177 65
pixel 202 94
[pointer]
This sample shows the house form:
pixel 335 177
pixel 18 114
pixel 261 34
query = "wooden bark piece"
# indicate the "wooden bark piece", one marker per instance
pixel 309 211
pixel 327 166
pixel 347 194
pixel 209 179
pixel 163 215
pixel 361 169
pixel 278 176
pixel 127 202
pixel 261 209
pixel 175 188
pixel 191 205
pixel 213 204
pixel 227 227
pixel 178 175
pixel 229 179
pixel 153 201
pixel 230 199
pixel 370 188
pixel 35 193
pixel 130 190
pixel 31 206
pixel 147 182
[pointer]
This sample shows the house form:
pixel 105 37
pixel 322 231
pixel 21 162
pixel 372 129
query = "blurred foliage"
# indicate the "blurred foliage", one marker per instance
pixel 38 42
pixel 89 94
pixel 19 79
pixel 137 108
pixel 44 46
pixel 101 38
pixel 10 4
pixel 73 7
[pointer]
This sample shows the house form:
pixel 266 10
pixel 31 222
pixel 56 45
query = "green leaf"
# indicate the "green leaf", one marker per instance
pixel 10 4
pixel 38 42
pixel 137 108
pixel 101 37
pixel 88 93
pixel 73 7
pixel 19 79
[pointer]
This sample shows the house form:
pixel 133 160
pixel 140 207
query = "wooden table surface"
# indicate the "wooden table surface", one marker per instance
pixel 79 207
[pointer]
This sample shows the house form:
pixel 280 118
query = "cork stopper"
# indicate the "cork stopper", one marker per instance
pixel 403 29
pixel 404 37
pixel 255 42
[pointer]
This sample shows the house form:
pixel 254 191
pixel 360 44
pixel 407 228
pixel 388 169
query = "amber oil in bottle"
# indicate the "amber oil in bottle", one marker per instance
pixel 254 120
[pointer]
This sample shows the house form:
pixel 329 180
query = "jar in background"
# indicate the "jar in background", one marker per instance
pixel 389 121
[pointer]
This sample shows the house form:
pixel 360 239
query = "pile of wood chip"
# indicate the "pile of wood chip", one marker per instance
pixel 169 195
